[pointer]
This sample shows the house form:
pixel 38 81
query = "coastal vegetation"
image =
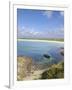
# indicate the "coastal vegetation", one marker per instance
pixel 54 72
pixel 25 70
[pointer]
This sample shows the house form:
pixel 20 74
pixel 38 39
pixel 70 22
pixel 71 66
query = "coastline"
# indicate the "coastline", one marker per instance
pixel 40 40
pixel 26 72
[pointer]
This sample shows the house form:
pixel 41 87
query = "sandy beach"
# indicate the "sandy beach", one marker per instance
pixel 40 40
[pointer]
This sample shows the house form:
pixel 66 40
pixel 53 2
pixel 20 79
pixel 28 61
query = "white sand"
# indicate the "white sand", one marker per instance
pixel 39 40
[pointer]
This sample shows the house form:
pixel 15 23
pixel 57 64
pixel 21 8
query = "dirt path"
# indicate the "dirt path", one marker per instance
pixel 35 75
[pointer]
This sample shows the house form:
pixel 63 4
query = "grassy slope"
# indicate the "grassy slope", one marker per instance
pixel 55 71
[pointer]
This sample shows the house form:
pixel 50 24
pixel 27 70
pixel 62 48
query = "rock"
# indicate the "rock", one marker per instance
pixel 56 71
pixel 46 56
pixel 62 47
pixel 62 51
pixel 23 66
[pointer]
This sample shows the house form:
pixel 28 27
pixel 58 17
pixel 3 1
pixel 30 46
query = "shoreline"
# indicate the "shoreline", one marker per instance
pixel 26 72
pixel 40 40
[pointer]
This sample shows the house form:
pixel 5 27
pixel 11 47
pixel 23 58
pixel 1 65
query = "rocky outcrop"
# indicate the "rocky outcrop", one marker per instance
pixel 54 72
pixel 24 65
pixel 46 56
pixel 62 51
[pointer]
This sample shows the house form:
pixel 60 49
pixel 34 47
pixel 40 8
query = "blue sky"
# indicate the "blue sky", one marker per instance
pixel 40 23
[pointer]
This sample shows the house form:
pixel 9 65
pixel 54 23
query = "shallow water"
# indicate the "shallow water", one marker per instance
pixel 36 50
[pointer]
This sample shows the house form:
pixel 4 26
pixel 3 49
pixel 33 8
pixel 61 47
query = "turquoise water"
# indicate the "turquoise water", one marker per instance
pixel 36 50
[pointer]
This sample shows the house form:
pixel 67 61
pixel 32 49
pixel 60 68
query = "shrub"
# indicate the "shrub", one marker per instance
pixel 55 71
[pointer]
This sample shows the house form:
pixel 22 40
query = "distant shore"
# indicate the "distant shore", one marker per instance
pixel 36 40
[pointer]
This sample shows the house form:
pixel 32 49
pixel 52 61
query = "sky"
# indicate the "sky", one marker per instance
pixel 40 23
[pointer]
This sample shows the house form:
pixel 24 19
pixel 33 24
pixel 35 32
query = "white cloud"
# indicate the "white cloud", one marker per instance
pixel 48 13
pixel 61 13
pixel 59 30
pixel 27 32
pixel 34 33
pixel 55 33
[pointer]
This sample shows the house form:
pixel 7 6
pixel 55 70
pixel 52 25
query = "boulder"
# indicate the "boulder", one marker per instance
pixel 62 51
pixel 46 56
